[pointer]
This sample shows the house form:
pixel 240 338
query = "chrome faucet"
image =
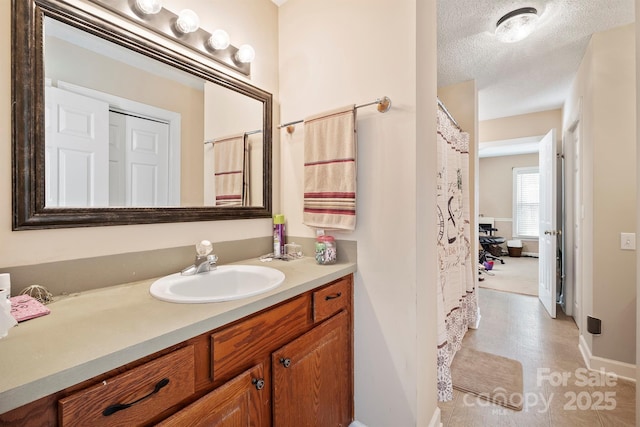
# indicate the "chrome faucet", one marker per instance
pixel 205 260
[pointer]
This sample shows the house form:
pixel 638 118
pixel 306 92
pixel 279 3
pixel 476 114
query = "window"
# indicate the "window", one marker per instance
pixel 526 202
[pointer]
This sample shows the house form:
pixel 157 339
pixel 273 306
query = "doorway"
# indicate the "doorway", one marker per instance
pixel 508 183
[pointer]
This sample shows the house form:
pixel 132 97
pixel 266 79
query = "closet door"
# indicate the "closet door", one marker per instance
pixel 146 162
pixel 77 150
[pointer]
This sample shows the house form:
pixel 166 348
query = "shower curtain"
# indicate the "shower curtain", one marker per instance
pixel 457 299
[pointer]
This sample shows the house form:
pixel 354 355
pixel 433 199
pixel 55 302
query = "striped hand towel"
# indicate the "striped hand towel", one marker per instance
pixel 330 169
pixel 229 158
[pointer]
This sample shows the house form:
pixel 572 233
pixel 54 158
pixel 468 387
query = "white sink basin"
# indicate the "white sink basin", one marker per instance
pixel 225 283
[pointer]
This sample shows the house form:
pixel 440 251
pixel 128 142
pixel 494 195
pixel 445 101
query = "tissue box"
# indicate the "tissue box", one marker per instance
pixel 25 307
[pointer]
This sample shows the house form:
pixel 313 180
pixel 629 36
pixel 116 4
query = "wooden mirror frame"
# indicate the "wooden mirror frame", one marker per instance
pixel 28 127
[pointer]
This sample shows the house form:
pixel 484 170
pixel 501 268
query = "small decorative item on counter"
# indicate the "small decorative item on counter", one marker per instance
pixel 325 250
pixel 293 250
pixel 40 293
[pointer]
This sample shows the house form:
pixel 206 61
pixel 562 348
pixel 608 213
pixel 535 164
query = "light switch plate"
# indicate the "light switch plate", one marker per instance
pixel 628 241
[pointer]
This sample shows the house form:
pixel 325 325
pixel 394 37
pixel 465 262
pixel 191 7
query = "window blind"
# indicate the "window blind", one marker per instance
pixel 526 213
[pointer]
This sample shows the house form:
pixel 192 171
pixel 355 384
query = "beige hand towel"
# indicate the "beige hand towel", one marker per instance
pixel 330 169
pixel 229 158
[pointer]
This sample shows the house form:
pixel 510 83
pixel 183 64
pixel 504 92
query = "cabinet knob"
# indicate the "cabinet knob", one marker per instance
pixel 259 383
pixel 285 362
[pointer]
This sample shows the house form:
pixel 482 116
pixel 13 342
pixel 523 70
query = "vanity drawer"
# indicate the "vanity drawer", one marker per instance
pixel 86 407
pixel 331 299
pixel 240 346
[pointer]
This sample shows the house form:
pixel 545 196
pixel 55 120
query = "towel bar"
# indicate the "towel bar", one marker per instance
pixel 384 105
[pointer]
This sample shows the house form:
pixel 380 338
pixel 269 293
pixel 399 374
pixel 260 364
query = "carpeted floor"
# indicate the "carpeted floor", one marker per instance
pixel 518 275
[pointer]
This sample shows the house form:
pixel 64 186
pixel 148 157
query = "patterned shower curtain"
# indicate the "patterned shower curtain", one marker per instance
pixel 457 299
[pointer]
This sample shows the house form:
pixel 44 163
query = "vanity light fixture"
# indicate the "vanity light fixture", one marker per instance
pixel 184 28
pixel 149 7
pixel 219 40
pixel 245 54
pixel 516 25
pixel 188 21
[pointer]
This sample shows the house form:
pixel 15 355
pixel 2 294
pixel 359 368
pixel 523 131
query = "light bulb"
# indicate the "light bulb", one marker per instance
pixel 245 54
pixel 149 7
pixel 188 21
pixel 219 40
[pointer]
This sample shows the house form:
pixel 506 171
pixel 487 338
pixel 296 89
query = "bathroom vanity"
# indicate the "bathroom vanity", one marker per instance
pixel 125 358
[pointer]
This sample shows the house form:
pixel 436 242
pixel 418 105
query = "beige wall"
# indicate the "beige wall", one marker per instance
pixel 534 124
pixel 326 66
pixel 461 100
pixel 496 193
pixel 603 97
pixel 247 21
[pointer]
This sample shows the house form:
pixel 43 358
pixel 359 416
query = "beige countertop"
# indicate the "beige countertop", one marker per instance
pixel 90 333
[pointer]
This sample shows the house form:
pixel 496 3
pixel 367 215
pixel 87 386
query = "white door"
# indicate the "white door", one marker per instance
pixel 146 162
pixel 77 153
pixel 547 269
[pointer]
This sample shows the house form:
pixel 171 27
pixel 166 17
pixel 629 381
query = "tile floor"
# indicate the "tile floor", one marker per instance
pixel 518 327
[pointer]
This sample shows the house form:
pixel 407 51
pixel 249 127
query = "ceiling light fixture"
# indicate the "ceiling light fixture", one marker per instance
pixel 516 25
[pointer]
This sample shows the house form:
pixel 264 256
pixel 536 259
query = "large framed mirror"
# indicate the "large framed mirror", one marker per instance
pixel 110 128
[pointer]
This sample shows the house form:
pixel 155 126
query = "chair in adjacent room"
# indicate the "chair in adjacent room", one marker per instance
pixel 490 243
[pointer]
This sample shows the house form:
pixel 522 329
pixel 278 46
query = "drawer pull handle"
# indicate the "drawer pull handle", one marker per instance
pixel 112 409
pixel 333 296
pixel 285 362
pixel 259 383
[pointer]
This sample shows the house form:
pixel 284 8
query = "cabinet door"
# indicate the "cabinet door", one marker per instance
pixel 240 402
pixel 312 377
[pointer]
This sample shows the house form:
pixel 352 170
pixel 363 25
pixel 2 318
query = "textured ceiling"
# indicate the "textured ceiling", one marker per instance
pixel 534 74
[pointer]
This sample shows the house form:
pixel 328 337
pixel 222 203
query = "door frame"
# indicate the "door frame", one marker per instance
pixel 572 224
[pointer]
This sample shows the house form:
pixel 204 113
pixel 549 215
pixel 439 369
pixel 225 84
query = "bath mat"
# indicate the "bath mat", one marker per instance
pixel 494 378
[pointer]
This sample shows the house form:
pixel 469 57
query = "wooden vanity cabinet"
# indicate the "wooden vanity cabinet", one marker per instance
pixel 311 375
pixel 309 343
pixel 288 365
pixel 242 401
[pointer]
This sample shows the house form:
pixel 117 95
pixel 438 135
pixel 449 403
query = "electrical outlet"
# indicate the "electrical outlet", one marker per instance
pixel 628 241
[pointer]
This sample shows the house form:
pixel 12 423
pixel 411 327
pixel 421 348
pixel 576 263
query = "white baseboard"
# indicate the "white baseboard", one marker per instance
pixel 435 420
pixel 623 370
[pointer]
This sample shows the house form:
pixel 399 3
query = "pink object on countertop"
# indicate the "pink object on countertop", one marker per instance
pixel 25 307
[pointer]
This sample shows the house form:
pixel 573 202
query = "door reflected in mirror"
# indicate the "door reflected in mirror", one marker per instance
pixel 126 130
